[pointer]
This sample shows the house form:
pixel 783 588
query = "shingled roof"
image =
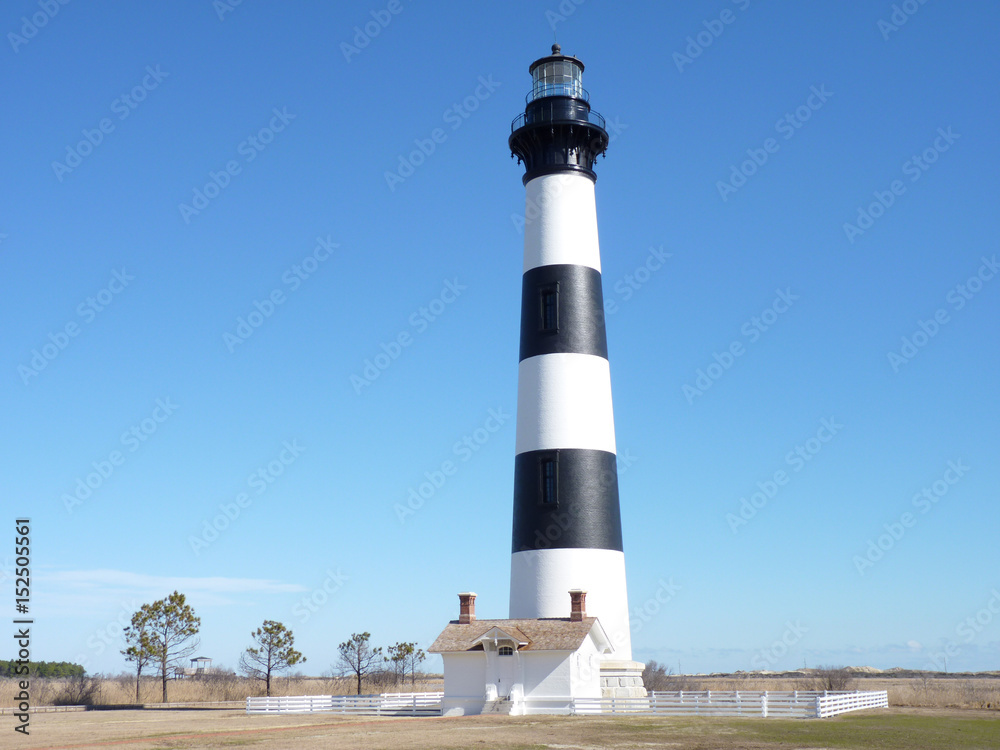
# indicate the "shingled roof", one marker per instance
pixel 548 634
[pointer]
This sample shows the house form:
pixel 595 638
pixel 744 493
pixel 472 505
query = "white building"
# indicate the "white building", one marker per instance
pixel 520 666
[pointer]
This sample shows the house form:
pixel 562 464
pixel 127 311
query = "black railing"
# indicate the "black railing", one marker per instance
pixel 549 115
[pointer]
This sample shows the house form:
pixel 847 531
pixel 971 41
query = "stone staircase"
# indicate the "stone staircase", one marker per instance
pixel 499 707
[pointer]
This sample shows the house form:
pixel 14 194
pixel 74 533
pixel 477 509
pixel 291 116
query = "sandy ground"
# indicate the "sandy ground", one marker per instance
pixel 139 730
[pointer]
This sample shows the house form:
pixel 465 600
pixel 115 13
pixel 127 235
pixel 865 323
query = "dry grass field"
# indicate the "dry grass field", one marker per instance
pixel 152 729
pixel 117 691
pixel 940 691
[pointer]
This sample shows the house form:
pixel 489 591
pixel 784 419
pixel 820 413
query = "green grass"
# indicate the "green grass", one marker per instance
pixel 879 731
pixel 888 732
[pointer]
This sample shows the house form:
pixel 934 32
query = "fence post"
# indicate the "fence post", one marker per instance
pixel 763 705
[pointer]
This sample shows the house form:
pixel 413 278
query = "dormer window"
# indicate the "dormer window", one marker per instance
pixel 505 651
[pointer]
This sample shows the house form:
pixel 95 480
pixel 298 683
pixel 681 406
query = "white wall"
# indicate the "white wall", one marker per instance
pixel 564 401
pixel 465 674
pixel 560 222
pixel 585 671
pixel 546 673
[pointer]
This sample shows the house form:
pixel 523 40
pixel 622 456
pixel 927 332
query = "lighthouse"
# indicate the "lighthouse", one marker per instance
pixel 567 634
pixel 567 532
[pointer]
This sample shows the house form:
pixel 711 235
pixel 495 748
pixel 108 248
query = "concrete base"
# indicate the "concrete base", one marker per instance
pixel 622 679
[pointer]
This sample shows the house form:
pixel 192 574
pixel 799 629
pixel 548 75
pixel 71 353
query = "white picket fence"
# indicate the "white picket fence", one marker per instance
pixel 386 704
pixel 804 704
pixel 833 704
pixel 784 704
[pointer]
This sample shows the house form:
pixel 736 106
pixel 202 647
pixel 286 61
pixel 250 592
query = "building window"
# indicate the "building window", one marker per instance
pixel 505 651
pixel 549 307
pixel 550 483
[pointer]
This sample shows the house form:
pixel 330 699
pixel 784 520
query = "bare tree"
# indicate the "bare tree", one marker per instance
pixel 272 652
pixel 138 647
pixel 172 627
pixel 357 656
pixel 833 678
pixel 656 676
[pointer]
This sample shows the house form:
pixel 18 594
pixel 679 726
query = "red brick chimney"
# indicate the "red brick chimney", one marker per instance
pixel 466 608
pixel 578 605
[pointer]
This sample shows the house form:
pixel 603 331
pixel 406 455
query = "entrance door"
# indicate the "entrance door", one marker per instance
pixel 506 670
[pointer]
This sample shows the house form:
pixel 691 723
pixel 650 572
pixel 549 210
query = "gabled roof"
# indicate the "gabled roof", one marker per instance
pixel 503 634
pixel 548 634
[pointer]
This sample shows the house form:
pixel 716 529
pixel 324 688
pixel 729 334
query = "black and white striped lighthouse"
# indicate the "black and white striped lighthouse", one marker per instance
pixel 567 525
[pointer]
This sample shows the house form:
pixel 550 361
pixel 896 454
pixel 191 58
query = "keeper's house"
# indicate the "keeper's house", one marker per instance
pixel 522 665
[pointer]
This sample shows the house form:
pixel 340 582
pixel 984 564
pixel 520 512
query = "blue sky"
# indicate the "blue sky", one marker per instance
pixel 219 222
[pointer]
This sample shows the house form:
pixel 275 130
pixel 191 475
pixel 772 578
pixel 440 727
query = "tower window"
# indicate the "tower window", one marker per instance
pixel 549 307
pixel 506 651
pixel 550 483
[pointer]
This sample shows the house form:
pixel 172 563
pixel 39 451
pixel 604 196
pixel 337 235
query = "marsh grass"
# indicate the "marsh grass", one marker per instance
pixel 120 689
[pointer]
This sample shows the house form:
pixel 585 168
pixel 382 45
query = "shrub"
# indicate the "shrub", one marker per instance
pixel 77 691
pixel 833 678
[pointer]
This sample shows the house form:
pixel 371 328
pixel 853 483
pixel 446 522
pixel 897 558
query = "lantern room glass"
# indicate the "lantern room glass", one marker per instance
pixel 557 78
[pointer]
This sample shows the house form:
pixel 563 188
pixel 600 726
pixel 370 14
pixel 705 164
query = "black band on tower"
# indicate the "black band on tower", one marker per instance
pixel 566 498
pixel 562 310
